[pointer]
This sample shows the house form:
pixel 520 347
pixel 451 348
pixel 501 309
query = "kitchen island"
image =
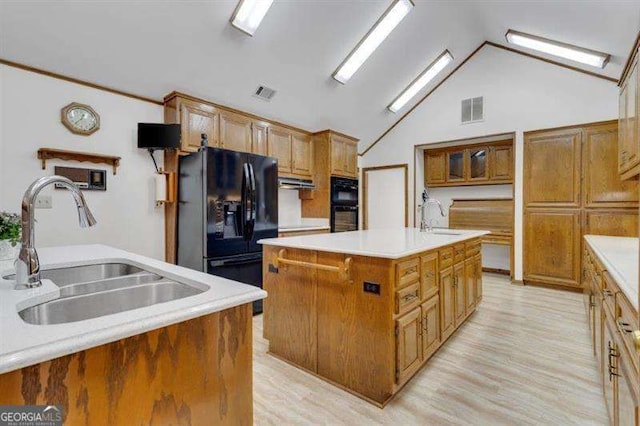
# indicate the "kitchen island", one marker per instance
pixel 181 354
pixel 365 310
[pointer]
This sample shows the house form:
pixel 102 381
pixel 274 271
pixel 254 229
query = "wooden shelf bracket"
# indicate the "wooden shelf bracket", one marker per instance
pixel 45 154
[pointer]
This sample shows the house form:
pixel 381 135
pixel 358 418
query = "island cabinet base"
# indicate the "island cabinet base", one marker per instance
pixel 367 324
pixel 198 372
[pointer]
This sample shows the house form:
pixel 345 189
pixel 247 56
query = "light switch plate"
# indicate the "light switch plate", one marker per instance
pixel 43 201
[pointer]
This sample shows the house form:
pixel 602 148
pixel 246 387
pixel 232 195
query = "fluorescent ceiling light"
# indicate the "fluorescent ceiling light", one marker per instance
pixel 249 14
pixel 556 48
pixel 425 77
pixel 381 29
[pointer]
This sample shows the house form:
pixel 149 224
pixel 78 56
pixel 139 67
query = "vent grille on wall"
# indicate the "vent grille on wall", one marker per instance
pixel 472 110
pixel 264 93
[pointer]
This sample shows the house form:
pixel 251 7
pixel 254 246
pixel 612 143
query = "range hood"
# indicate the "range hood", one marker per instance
pixel 295 183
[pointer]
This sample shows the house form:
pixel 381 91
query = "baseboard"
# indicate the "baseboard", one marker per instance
pixel 554 286
pixel 496 271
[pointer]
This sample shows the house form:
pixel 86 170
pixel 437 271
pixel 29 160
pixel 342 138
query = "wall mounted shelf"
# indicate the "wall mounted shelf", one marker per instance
pixel 45 154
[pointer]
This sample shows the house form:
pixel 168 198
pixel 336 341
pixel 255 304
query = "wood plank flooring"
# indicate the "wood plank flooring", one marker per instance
pixel 524 357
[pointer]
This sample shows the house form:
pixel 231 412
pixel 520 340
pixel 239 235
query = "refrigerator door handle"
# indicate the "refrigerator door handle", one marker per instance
pixel 254 200
pixel 246 208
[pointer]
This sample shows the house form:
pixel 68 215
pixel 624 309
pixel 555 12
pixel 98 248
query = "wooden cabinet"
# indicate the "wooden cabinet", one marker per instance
pixel 613 222
pixel 435 169
pixel 344 156
pixel 608 371
pixel 430 311
pixel 279 147
pixel 470 276
pixel 447 307
pixel 602 184
pixel 409 344
pixel 628 129
pixel 552 168
pixel 478 282
pixel 627 395
pixel 484 164
pixel 235 132
pixel 460 305
pixel 552 246
pixel 501 163
pixel 429 274
pixel 197 119
pixel 259 138
pixel 301 154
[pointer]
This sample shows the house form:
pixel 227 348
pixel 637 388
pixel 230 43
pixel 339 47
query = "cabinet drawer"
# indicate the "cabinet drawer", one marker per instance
pixel 446 257
pixel 609 290
pixel 407 272
pixel 408 298
pixel 472 248
pixel 429 274
pixel 458 253
pixel 627 322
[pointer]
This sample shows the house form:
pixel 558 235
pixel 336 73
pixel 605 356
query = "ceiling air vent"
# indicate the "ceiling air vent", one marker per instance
pixel 264 93
pixel 472 110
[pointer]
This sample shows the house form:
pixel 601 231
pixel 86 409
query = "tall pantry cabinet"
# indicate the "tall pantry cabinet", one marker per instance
pixel 572 188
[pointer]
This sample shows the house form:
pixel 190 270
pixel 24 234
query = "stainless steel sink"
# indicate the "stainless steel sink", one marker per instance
pixel 101 303
pixel 93 291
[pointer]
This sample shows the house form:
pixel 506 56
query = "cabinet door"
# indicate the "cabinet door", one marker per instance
pixel 302 155
pixel 552 246
pixel 446 303
pixel 429 275
pixel 609 368
pixel 598 325
pixel 460 299
pixel 196 121
pixel 478 169
pixel 456 166
pixel 617 223
pixel 602 184
pixel 623 152
pixel 409 344
pixel 470 276
pixel 235 132
pixel 279 147
pixel 552 168
pixel 627 398
pixel 501 163
pixel 630 146
pixel 259 139
pixel 478 267
pixel 351 159
pixel 430 326
pixel 338 152
pixel 435 169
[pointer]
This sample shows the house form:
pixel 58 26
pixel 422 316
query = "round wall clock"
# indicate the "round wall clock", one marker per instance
pixel 80 119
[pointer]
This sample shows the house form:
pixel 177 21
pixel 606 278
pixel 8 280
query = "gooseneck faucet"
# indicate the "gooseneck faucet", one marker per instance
pixel 427 226
pixel 28 265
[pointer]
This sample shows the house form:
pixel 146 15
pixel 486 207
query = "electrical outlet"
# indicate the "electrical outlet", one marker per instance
pixel 43 201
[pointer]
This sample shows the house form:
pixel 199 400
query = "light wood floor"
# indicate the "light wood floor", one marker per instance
pixel 524 357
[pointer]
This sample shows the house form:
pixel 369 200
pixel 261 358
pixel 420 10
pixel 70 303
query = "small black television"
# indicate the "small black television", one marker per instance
pixel 158 136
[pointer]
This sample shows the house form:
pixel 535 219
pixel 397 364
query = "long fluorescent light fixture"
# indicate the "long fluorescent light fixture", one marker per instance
pixel 376 35
pixel 249 14
pixel 556 48
pixel 425 77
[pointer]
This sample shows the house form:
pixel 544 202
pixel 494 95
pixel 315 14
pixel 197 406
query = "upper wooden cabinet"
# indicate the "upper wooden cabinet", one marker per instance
pixel 301 154
pixel 279 147
pixel 197 119
pixel 259 138
pixel 344 156
pixel 293 150
pixel 235 132
pixel 485 164
pixel 552 165
pixel 628 129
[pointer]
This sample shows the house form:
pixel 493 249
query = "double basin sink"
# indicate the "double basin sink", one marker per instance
pixel 97 290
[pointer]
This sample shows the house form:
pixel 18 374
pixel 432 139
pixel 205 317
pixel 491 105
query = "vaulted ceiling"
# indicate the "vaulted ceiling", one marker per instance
pixel 151 48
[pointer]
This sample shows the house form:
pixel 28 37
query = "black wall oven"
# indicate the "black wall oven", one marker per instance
pixel 344 204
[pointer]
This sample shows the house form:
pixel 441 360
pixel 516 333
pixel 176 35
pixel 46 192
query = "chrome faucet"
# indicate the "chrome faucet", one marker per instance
pixel 28 265
pixel 427 226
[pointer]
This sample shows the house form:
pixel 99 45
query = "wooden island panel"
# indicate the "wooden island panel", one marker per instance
pixel 195 372
pixel 368 330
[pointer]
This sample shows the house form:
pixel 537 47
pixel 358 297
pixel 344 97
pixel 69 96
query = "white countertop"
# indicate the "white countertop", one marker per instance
pixel 619 255
pixel 23 344
pixel 386 243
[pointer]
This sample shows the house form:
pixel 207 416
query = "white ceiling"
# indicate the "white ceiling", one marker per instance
pixel 153 47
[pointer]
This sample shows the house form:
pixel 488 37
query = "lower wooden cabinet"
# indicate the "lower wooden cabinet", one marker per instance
pixel 408 344
pixel 627 397
pixel 460 293
pixel 430 311
pixel 609 358
pixel 447 307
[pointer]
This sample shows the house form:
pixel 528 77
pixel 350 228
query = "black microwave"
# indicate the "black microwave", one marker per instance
pixel 344 191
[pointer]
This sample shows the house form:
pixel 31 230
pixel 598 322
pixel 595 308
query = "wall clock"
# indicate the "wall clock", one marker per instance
pixel 80 119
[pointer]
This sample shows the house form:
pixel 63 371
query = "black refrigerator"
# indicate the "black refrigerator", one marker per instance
pixel 228 200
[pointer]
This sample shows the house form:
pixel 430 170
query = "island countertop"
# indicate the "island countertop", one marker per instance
pixel 393 243
pixel 23 344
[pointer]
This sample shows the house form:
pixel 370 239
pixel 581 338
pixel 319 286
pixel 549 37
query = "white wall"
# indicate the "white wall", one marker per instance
pixel 30 119
pixel 520 94
pixel 289 208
